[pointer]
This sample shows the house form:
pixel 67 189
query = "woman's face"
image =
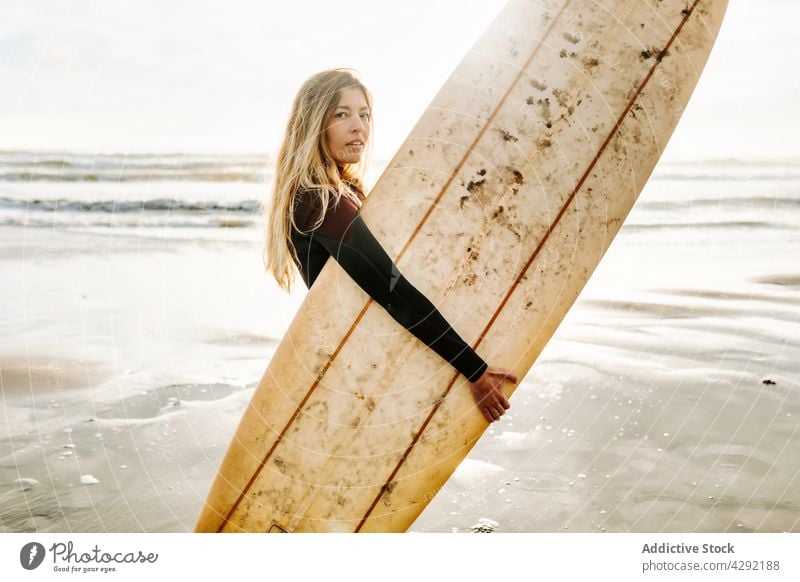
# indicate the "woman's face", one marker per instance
pixel 347 129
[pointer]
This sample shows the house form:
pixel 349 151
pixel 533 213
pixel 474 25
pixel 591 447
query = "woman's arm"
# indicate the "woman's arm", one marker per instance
pixel 347 238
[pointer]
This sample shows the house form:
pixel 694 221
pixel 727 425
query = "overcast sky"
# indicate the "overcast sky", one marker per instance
pixel 203 76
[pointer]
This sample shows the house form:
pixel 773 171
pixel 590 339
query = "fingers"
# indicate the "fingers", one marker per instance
pixel 505 375
pixel 490 414
pixel 488 394
pixel 496 404
pixel 501 402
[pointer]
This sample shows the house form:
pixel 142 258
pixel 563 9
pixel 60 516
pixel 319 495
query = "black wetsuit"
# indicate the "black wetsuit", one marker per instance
pixel 344 236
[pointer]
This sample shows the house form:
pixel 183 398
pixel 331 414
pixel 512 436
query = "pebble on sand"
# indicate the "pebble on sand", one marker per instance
pixel 89 480
pixel 484 525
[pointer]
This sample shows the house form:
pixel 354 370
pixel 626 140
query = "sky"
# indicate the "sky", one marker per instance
pixel 113 76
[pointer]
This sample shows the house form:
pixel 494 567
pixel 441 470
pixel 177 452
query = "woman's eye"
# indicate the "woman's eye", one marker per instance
pixel 365 115
pixel 340 114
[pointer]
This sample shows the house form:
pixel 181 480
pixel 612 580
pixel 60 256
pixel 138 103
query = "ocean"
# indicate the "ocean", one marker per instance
pixel 137 320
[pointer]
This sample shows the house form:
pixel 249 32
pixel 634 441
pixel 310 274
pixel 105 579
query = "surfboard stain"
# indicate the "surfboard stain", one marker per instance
pixel 472 257
pixel 561 97
pixel 589 63
pixel 280 464
pixel 517 177
pixel 502 218
pixel 544 110
pixel 387 489
pixel 472 186
pixel 659 54
pixel 507 136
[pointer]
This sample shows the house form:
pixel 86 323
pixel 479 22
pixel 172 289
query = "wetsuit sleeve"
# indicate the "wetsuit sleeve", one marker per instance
pixel 347 238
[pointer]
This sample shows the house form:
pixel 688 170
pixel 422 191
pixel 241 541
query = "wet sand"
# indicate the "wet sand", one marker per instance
pixel 672 406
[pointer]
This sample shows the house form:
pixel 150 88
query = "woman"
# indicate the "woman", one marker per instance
pixel 314 214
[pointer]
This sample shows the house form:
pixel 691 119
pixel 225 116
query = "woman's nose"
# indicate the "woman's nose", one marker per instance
pixel 358 124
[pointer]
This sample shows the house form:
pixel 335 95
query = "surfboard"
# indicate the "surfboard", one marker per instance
pixel 498 206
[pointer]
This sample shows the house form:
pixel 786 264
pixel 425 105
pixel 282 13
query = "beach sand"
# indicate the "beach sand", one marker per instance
pixel 668 402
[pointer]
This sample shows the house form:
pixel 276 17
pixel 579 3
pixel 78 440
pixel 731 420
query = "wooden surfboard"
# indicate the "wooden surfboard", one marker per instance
pixel 498 206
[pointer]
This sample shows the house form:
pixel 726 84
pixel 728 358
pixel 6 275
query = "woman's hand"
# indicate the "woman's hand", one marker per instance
pixel 488 393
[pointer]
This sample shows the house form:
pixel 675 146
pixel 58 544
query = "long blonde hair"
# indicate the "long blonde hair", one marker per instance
pixel 304 162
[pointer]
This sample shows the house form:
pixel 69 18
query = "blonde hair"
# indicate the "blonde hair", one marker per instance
pixel 304 162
